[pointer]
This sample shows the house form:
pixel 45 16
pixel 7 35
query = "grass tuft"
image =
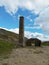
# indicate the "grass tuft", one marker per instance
pixel 5 48
pixel 5 64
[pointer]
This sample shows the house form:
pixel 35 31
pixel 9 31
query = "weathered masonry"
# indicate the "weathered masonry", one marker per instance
pixel 21 31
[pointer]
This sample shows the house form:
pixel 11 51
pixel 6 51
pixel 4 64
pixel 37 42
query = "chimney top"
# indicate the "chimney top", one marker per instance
pixel 21 17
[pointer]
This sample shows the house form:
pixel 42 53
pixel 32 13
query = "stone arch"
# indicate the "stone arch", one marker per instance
pixel 36 42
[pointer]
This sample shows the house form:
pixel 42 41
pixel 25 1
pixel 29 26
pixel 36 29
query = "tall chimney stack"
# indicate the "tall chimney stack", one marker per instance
pixel 21 31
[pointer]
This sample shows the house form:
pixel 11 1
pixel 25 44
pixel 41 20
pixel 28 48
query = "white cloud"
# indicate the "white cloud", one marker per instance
pixel 11 6
pixel 40 36
pixel 16 30
pixel 33 27
pixel 43 20
pixel 29 18
pixel 3 28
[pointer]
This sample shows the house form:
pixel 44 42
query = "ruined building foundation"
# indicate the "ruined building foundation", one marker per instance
pixel 21 31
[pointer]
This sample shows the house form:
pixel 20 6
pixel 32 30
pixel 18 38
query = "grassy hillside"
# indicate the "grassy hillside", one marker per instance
pixel 8 41
pixel 45 43
pixel 5 48
pixel 8 36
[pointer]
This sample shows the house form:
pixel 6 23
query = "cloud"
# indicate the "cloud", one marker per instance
pixel 16 30
pixel 40 36
pixel 29 18
pixel 12 6
pixel 43 20
pixel 33 27
pixel 3 28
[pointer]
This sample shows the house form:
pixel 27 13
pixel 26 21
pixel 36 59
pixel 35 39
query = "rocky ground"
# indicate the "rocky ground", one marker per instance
pixel 28 56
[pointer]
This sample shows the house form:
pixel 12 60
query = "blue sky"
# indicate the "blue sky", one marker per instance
pixel 8 21
pixel 36 18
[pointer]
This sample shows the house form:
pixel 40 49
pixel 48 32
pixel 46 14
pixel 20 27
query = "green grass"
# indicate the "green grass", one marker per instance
pixel 5 48
pixel 45 44
pixel 5 64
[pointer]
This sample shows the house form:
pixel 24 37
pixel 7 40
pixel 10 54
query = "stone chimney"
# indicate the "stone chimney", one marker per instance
pixel 21 31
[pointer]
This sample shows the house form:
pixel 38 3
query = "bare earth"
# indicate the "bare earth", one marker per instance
pixel 28 56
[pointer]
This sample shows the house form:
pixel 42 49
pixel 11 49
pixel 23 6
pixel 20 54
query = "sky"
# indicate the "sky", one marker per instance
pixel 35 13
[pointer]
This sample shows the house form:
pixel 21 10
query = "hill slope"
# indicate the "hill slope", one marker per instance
pixel 8 41
pixel 8 36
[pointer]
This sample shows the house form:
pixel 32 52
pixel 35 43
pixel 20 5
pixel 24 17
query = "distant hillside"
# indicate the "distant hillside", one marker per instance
pixel 45 43
pixel 8 41
pixel 9 36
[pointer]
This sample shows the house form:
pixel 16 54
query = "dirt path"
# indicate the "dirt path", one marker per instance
pixel 28 56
